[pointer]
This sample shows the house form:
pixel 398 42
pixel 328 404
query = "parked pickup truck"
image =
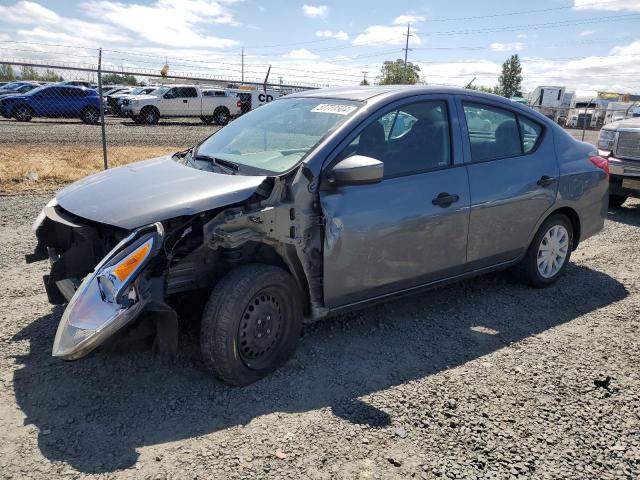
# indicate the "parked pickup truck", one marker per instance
pixel 212 106
pixel 619 142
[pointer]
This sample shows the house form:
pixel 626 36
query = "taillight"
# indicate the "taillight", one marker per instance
pixel 600 162
pixel 239 104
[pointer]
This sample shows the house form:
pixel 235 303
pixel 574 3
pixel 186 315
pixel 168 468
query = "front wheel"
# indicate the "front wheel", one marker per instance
pixel 616 201
pixel 549 252
pixel 23 113
pixel 251 324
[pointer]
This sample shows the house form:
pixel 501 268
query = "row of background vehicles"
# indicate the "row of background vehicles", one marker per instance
pixel 143 104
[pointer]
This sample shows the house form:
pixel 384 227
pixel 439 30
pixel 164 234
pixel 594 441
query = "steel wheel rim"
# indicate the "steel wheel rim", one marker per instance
pixel 553 251
pixel 22 114
pixel 261 329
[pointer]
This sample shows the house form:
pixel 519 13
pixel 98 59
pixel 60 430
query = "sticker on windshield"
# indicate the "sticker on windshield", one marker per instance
pixel 334 108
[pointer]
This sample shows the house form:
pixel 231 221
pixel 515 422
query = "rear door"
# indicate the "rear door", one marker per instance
pixel 190 103
pixel 513 179
pixel 409 229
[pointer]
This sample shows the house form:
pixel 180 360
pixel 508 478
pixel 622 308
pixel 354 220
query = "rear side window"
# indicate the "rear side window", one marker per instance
pixel 530 132
pixel 493 132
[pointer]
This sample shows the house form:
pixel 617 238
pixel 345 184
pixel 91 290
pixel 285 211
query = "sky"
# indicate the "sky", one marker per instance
pixel 585 45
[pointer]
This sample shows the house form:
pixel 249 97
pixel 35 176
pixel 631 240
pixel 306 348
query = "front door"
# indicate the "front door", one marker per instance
pixel 409 229
pixel 513 180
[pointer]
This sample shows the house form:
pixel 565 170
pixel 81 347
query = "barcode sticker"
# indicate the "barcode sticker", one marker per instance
pixel 334 108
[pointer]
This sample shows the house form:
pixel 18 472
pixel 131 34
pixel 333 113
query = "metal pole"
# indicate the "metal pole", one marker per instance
pixel 406 51
pixel 102 125
pixel 242 64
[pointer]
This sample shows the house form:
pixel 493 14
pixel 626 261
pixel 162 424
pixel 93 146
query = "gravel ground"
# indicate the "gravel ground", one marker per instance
pixel 124 132
pixel 120 132
pixel 482 379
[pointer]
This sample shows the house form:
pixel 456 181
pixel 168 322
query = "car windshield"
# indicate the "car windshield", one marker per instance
pixel 278 135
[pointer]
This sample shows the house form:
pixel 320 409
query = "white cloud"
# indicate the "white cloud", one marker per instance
pixel 28 13
pixel 383 35
pixel 522 35
pixel 313 11
pixel 329 34
pixel 300 54
pixel 168 22
pixel 404 19
pixel 507 47
pixel 607 5
pixel 49 25
pixel 586 33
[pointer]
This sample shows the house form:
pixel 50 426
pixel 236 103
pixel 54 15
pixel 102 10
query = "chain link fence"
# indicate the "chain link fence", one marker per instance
pixel 68 123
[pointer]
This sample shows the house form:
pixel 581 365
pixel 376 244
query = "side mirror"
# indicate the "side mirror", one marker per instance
pixel 356 170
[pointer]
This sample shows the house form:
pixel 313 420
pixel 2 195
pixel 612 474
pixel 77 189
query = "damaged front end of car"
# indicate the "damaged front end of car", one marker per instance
pixel 103 299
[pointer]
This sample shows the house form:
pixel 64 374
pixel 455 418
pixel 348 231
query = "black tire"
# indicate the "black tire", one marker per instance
pixel 150 115
pixel 221 116
pixel 136 118
pixel 207 120
pixel 90 115
pixel 23 113
pixel 251 324
pixel 528 269
pixel 616 201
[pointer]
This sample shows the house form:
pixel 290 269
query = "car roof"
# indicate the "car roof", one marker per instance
pixel 363 93
pixel 389 93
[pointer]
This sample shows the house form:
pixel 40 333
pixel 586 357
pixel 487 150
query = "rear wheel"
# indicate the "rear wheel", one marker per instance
pixel 221 116
pixel 23 113
pixel 90 115
pixel 549 252
pixel 251 323
pixel 616 201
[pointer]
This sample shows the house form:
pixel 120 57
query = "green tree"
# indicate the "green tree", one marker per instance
pixel 28 73
pixel 6 73
pixel 393 73
pixel 510 81
pixel 364 82
pixel 483 88
pixel 115 79
pixel 51 76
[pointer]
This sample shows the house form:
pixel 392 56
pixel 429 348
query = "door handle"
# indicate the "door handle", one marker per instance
pixel 185 101
pixel 545 181
pixel 445 199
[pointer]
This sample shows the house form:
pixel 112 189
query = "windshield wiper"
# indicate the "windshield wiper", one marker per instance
pixel 230 167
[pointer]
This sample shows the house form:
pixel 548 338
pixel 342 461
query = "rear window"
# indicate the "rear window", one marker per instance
pixel 496 133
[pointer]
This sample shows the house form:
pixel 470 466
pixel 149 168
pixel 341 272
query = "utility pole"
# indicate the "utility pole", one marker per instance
pixel 406 51
pixel 364 78
pixel 242 64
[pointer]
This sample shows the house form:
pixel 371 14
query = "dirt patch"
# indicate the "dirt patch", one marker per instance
pixel 36 168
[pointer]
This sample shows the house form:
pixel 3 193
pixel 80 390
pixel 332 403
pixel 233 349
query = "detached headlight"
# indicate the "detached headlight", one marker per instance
pixel 108 298
pixel 606 139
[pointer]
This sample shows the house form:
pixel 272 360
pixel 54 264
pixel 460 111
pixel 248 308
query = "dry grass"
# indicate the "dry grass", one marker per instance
pixel 58 165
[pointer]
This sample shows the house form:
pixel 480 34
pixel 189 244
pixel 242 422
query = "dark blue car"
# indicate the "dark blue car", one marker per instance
pixel 53 101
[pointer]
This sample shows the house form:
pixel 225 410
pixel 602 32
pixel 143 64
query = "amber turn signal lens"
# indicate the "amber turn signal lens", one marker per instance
pixel 129 264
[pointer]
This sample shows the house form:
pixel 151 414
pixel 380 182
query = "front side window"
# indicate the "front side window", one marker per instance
pixel 493 132
pixel 412 139
pixel 186 92
pixel 278 135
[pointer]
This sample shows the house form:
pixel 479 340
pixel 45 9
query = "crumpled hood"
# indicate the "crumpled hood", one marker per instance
pixel 153 190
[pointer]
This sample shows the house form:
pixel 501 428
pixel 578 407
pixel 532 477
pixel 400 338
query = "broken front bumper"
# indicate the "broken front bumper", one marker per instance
pixel 111 295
